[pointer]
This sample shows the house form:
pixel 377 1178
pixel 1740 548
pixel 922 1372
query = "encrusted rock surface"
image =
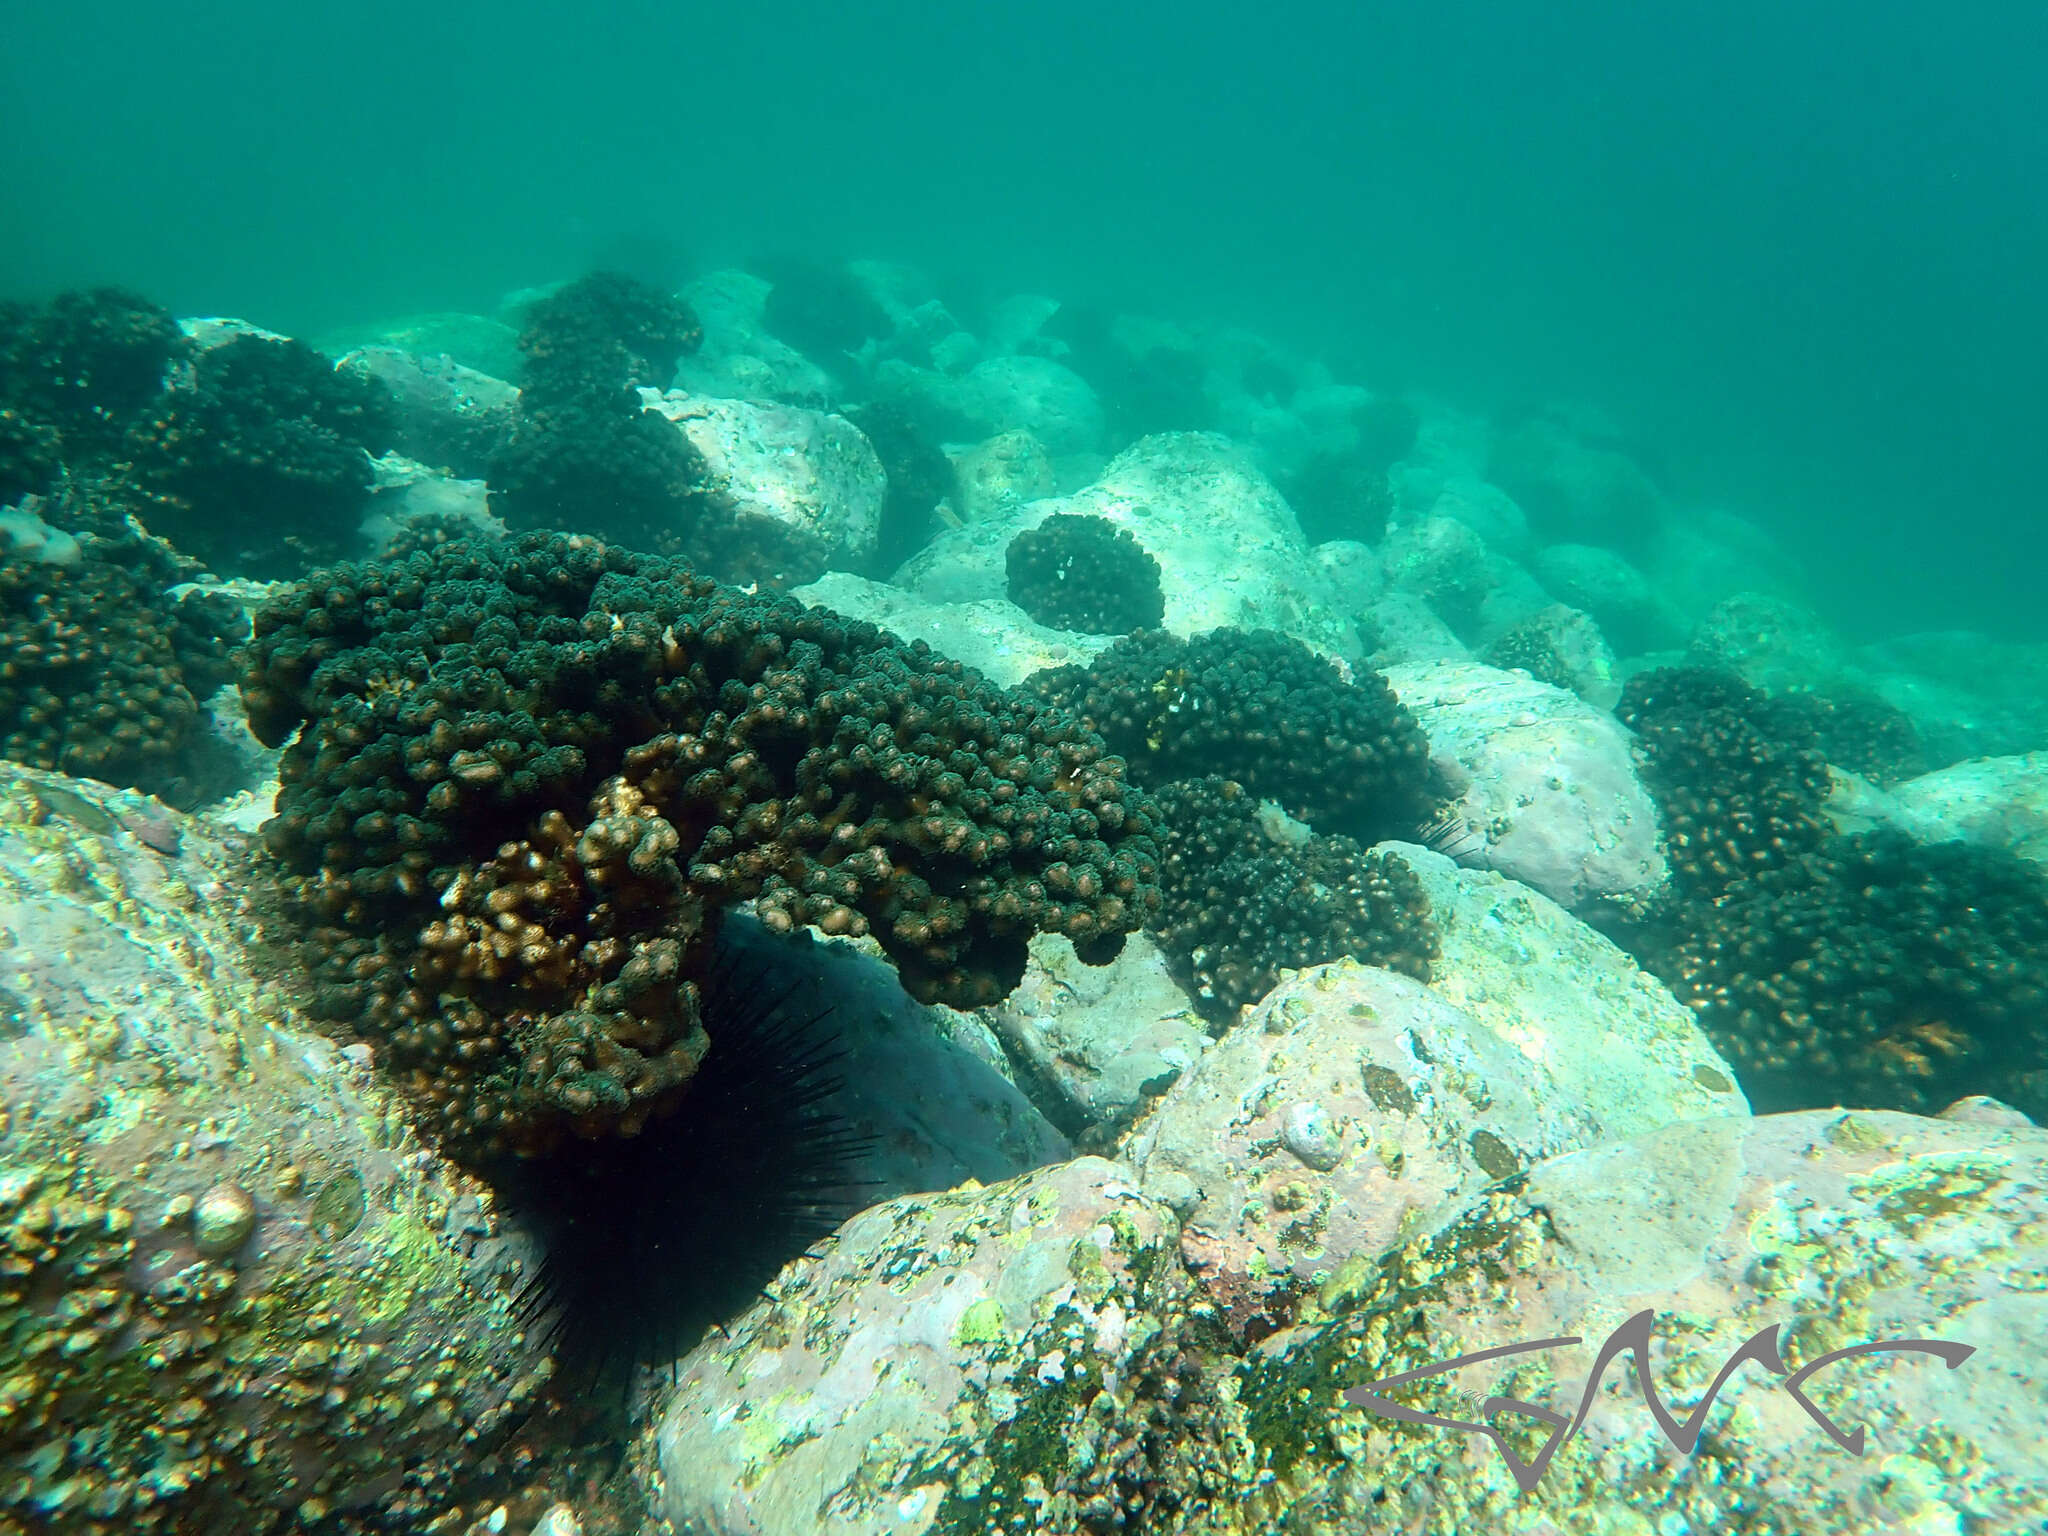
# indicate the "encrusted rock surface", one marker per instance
pixel 1620 1048
pixel 1545 781
pixel 877 1378
pixel 1834 1229
pixel 1031 1358
pixel 1353 1104
pixel 1230 551
pixel 237 1294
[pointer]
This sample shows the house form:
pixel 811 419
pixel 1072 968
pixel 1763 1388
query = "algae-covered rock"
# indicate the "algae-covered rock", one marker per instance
pixel 916 1374
pixel 235 1294
pixel 1831 1229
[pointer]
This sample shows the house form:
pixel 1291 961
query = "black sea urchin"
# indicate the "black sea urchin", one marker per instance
pixel 649 1240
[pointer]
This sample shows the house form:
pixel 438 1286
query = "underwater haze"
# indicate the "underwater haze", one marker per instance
pixel 1794 251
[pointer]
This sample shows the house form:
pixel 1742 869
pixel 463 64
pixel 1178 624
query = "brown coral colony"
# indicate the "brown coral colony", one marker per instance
pixel 531 781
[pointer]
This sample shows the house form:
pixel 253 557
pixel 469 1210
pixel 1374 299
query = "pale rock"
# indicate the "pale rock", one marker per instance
pixel 1771 643
pixel 449 416
pixel 1512 597
pixel 1441 561
pixel 1619 596
pixel 206 332
pixel 1014 324
pixel 1564 647
pixel 1353 569
pixel 789 492
pixel 1037 395
pixel 739 359
pixel 1612 1038
pixel 1001 474
pixel 404 491
pixel 1545 781
pixel 1488 511
pixel 995 637
pixel 1709 555
pixel 1575 489
pixel 472 344
pixel 1229 548
pixel 1998 802
pixel 1400 628
pixel 1096 1043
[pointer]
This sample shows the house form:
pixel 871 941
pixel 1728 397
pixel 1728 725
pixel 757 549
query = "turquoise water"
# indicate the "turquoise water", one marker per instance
pixel 1212 452
pixel 1795 252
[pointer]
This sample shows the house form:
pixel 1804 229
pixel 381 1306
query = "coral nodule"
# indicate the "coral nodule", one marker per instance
pixel 1080 572
pixel 531 777
pixel 1263 709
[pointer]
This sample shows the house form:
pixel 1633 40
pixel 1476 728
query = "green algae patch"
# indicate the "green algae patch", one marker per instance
pixel 1927 1188
pixel 981 1323
pixel 1856 1133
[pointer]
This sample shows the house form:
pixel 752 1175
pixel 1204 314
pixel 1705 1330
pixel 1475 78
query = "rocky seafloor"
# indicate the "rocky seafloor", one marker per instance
pixel 1128 1240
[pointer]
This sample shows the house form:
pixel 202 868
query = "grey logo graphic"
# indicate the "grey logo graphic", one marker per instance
pixel 1632 1337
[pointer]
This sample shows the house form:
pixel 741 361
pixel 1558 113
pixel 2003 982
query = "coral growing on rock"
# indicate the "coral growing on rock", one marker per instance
pixel 584 454
pixel 1828 969
pixel 259 466
pixel 86 362
pixel 1874 971
pixel 1080 572
pixel 1262 709
pixel 1740 780
pixel 531 777
pixel 102 671
pixel 1862 734
pixel 1247 893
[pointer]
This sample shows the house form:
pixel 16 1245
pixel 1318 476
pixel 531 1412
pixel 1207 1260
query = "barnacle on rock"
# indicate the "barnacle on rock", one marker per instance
pixel 1263 709
pixel 530 778
pixel 1084 573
